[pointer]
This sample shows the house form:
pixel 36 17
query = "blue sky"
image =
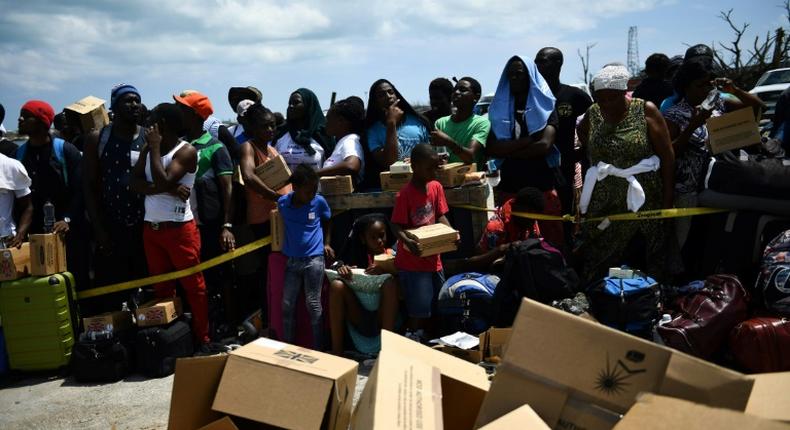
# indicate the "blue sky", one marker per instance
pixel 63 51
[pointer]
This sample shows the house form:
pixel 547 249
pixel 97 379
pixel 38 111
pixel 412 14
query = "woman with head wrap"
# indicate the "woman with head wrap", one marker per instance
pixel 627 143
pixel 694 81
pixel 523 129
pixel 344 122
pixel 393 127
pixel 303 139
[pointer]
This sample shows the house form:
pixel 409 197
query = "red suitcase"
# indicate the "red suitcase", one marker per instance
pixel 762 344
pixel 703 320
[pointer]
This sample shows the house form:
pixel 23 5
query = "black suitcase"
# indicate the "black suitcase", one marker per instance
pixel 101 360
pixel 158 348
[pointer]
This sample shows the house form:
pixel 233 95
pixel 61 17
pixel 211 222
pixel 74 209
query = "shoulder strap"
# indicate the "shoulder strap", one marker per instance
pixel 57 146
pixel 20 152
pixel 104 137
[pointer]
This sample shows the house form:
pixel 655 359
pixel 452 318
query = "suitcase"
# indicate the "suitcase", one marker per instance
pixel 762 344
pixel 101 360
pixel 158 347
pixel 702 321
pixel 39 320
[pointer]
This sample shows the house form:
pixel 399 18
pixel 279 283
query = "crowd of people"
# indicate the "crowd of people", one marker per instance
pixel 161 190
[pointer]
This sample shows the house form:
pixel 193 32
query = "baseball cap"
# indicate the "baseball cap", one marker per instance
pixel 197 101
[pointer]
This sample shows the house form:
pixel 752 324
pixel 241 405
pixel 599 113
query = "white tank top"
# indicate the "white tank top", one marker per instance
pixel 164 206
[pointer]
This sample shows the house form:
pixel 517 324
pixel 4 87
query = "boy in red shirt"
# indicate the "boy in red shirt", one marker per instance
pixel 421 202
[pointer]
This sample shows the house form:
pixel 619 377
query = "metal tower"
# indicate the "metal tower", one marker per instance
pixel 633 51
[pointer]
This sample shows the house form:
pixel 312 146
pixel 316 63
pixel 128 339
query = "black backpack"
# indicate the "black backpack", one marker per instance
pixel 533 269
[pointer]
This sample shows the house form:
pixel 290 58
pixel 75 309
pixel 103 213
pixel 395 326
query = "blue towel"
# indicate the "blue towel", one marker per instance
pixel 540 105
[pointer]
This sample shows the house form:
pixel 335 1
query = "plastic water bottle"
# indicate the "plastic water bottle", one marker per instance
pixel 492 173
pixel 665 318
pixel 710 101
pixel 49 217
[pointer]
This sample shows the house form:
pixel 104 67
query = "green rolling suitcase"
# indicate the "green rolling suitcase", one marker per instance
pixel 39 320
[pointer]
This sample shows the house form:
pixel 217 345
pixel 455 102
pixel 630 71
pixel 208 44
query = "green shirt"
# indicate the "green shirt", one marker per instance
pixel 475 127
pixel 213 157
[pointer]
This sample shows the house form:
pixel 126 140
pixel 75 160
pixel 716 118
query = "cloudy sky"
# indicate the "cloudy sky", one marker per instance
pixel 63 51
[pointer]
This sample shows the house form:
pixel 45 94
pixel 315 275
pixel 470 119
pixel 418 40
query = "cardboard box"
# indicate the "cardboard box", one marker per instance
pixel 15 263
pixel 400 167
pixel 400 393
pixel 652 412
pixel 386 262
pixel 732 130
pixel 194 385
pixel 770 396
pixel 158 312
pixel 454 174
pixel 120 320
pixel 394 181
pixel 435 239
pixel 336 185
pixel 274 172
pixel 584 375
pixel 91 113
pixel 493 343
pixel 47 254
pixel 287 386
pixel 464 385
pixel 277 230
pixel 521 418
pixel 221 424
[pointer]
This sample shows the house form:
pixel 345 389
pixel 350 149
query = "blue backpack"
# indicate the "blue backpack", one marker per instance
pixel 465 301
pixel 629 305
pixel 57 147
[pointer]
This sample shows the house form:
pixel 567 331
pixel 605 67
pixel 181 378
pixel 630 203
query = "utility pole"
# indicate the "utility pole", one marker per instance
pixel 634 65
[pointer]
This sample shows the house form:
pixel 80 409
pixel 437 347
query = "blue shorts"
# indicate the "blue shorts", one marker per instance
pixel 420 290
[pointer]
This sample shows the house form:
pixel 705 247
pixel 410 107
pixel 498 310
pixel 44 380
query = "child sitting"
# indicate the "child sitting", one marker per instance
pixel 306 217
pixel 367 303
pixel 421 202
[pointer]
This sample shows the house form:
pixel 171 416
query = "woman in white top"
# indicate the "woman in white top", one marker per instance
pixel 344 121
pixel 165 173
pixel 303 139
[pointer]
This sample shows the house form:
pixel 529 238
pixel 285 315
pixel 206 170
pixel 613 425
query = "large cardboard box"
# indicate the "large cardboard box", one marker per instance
pixel 194 385
pixel 287 386
pixel 732 130
pixel 120 320
pixel 277 230
pixel 454 174
pixel 652 412
pixel 158 312
pixel 394 181
pixel 435 239
pixel 522 418
pixel 464 385
pixel 336 185
pixel 15 262
pixel 584 375
pixel 91 113
pixel 400 393
pixel 770 396
pixel 274 172
pixel 47 254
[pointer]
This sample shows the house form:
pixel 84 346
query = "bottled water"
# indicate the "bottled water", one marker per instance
pixel 49 217
pixel 492 173
pixel 710 101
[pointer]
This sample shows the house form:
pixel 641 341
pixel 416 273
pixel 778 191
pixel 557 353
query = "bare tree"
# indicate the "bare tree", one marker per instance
pixel 586 62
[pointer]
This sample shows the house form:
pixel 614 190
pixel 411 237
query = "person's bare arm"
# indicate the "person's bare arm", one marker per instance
pixel 466 154
pixel 393 116
pixel 744 98
pixel 533 146
pixel 326 227
pixel 351 165
pixel 251 180
pixel 662 146
pixel 680 138
pixel 226 238
pixel 25 219
pixel 409 240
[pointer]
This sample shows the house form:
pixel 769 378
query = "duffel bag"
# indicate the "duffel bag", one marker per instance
pixel 762 344
pixel 758 176
pixel 629 305
pixel 702 321
pixel 464 303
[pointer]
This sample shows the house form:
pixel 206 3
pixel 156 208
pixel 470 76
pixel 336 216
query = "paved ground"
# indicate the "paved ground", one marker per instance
pixel 60 403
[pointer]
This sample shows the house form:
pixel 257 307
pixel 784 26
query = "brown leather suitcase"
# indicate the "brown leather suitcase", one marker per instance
pixel 701 321
pixel 762 344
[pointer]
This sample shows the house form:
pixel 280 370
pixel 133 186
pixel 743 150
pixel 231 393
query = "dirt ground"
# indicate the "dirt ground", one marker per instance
pixel 52 402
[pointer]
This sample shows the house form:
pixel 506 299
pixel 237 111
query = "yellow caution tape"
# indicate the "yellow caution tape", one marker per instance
pixel 631 216
pixel 216 261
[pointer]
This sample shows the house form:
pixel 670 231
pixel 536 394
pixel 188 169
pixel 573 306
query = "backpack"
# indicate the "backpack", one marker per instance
pixel 57 147
pixel 464 303
pixel 533 269
pixel 629 305
pixel 773 281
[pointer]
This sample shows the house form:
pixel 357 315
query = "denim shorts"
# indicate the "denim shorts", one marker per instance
pixel 420 290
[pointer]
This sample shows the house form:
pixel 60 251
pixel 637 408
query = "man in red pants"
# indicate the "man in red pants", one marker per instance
pixel 165 174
